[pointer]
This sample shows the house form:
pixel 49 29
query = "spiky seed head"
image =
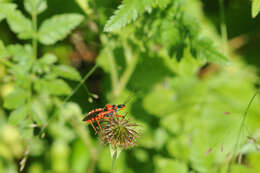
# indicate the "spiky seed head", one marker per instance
pixel 119 133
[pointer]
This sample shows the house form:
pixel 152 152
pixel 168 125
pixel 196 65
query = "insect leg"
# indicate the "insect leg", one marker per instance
pixel 90 122
pixel 119 115
pixel 98 123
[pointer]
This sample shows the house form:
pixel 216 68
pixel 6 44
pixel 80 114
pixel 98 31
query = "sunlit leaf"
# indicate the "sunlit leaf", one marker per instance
pixel 67 72
pixel 22 55
pixel 6 8
pixel 58 27
pixel 204 49
pixel 60 156
pixel 39 113
pixel 255 8
pixel 35 6
pixel 18 115
pixel 169 165
pixel 127 12
pixel 20 24
pixel 3 51
pixel 54 87
pixel 48 59
pixel 15 99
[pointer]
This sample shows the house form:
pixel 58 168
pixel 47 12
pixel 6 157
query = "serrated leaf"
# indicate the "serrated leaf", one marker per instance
pixel 48 59
pixel 6 8
pixel 39 112
pixel 127 12
pixel 35 6
pixel 18 115
pixel 205 50
pixel 162 3
pixel 20 24
pixel 58 27
pixel 22 55
pixel 67 72
pixel 3 50
pixel 15 99
pixel 54 87
pixel 255 8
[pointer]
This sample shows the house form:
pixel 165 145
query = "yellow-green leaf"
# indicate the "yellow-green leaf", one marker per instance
pixel 58 27
pixel 255 8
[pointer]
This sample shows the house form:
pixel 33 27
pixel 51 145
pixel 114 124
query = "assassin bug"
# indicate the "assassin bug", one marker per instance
pixel 108 111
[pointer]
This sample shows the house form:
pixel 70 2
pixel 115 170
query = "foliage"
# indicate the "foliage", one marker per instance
pixel 162 58
pixel 255 7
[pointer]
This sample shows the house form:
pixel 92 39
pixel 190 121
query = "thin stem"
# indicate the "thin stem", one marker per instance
pixel 84 135
pixel 241 127
pixel 73 92
pixel 34 40
pixel 126 75
pixel 81 82
pixel 113 161
pixel 114 74
pixel 223 27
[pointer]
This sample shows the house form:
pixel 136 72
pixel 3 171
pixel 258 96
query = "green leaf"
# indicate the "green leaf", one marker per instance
pixel 67 72
pixel 127 12
pixel 255 8
pixel 15 99
pixel 20 24
pixel 162 3
pixel 3 50
pixel 58 27
pixel 18 115
pixel 39 113
pixel 48 59
pixel 22 55
pixel 35 6
pixel 54 87
pixel 152 102
pixel 169 165
pixel 1 16
pixel 205 50
pixel 6 8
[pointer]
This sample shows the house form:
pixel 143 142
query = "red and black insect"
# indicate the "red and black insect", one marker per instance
pixel 100 113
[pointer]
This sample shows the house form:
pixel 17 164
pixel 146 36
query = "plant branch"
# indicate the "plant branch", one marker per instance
pixel 84 135
pixel 240 128
pixel 34 40
pixel 81 83
pixel 126 75
pixel 113 161
pixel 114 74
pixel 223 27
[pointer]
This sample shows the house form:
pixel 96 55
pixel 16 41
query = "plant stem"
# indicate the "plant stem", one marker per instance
pixel 223 27
pixel 34 40
pixel 241 127
pixel 126 75
pixel 114 74
pixel 113 161
pixel 81 82
pixel 84 135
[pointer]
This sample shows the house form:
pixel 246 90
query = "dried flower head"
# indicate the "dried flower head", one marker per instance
pixel 119 133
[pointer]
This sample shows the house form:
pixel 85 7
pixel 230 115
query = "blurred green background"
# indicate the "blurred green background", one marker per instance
pixel 186 69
